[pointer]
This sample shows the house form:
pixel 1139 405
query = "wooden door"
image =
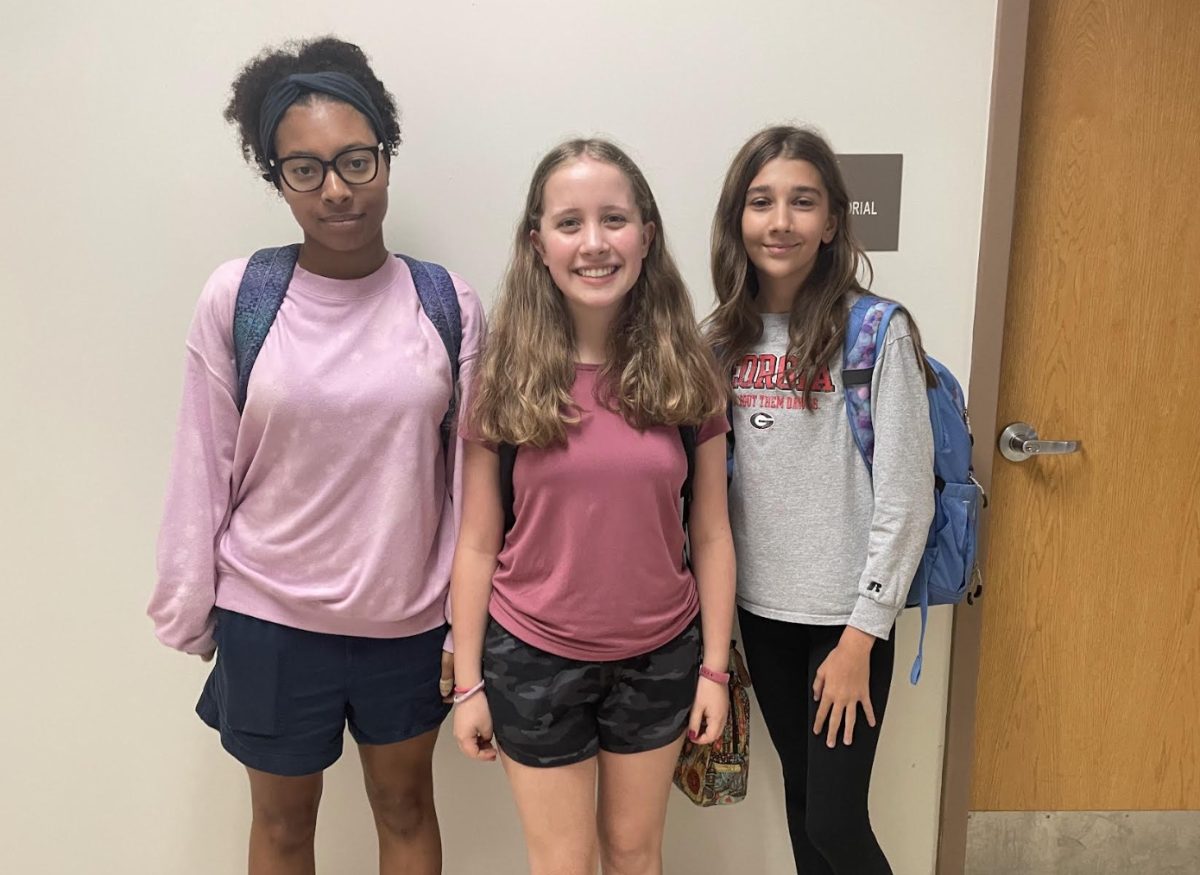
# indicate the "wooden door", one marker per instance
pixel 1089 687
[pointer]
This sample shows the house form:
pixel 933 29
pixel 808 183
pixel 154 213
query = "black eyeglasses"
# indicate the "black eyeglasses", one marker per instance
pixel 303 173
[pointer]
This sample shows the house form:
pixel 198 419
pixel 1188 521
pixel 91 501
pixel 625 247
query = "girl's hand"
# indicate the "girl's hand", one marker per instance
pixel 842 684
pixel 709 712
pixel 446 681
pixel 473 728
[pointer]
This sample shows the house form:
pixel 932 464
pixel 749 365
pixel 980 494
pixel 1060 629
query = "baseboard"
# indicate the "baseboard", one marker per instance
pixel 1083 843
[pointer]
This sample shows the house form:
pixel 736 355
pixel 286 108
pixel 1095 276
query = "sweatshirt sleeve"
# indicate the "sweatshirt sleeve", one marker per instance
pixel 474 329
pixel 199 488
pixel 902 481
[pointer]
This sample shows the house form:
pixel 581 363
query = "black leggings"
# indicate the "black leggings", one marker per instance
pixel 825 790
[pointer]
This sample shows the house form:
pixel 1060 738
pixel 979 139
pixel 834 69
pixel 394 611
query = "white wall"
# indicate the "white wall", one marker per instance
pixel 123 187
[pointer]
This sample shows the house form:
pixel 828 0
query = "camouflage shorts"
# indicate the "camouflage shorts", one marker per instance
pixel 551 711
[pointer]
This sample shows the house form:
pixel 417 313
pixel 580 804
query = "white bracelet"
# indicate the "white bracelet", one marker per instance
pixel 461 695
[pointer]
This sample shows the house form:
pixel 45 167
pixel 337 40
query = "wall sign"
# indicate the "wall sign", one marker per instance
pixel 874 185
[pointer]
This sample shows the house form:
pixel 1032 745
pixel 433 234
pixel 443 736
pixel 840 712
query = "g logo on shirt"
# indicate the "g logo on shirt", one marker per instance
pixel 762 420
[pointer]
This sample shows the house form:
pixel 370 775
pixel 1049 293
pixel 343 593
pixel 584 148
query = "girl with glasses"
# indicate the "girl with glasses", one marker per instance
pixel 309 523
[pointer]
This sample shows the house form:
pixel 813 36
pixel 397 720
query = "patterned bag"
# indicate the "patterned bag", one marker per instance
pixel 717 773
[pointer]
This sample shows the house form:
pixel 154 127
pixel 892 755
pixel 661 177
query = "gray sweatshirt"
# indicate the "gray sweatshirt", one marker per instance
pixel 816 543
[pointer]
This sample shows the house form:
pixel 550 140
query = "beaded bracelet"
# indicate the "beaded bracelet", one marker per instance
pixel 461 694
pixel 717 677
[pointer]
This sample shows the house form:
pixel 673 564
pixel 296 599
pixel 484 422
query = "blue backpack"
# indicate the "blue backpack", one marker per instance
pixel 948 570
pixel 264 286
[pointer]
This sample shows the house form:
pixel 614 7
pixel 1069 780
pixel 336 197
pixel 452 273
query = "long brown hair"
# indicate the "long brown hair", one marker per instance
pixel 817 325
pixel 658 370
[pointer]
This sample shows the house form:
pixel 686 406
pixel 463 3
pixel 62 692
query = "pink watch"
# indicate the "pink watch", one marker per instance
pixel 717 677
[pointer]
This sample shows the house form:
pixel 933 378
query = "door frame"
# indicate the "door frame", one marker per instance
pixel 991 293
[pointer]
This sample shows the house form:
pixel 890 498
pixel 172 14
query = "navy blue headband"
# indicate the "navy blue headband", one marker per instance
pixel 287 91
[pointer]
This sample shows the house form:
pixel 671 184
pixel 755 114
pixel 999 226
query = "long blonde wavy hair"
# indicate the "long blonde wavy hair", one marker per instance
pixel 657 371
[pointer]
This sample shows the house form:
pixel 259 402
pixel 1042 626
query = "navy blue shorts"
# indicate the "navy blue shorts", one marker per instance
pixel 281 697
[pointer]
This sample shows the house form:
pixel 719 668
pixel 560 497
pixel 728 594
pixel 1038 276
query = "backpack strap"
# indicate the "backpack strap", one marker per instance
pixel 508 459
pixel 688 434
pixel 869 318
pixel 922 584
pixel 439 300
pixel 730 443
pixel 259 297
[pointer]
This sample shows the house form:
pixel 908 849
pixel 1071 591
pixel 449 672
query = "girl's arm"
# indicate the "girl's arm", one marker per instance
pixel 902 482
pixel 479 541
pixel 713 565
pixel 199 491
pixel 474 329
pixel 903 487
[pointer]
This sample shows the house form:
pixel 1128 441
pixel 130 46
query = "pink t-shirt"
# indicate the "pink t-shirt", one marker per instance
pixel 593 568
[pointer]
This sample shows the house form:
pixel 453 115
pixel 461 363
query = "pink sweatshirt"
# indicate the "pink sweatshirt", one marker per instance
pixel 327 505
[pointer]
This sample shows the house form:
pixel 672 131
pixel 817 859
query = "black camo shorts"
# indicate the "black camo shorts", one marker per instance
pixel 548 710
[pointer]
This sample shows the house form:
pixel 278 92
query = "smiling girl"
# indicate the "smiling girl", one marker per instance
pixel 827 549
pixel 578 644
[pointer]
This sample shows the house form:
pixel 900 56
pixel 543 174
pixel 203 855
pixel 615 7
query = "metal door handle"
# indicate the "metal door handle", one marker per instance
pixel 1020 441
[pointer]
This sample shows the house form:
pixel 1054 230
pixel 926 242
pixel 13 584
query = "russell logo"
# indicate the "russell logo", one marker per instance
pixel 762 420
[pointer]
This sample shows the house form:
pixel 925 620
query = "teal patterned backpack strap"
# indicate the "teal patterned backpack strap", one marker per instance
pixel 439 300
pixel 868 321
pixel 259 297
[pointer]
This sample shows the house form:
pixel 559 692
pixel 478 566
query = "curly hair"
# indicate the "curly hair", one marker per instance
pixel 658 369
pixel 322 54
